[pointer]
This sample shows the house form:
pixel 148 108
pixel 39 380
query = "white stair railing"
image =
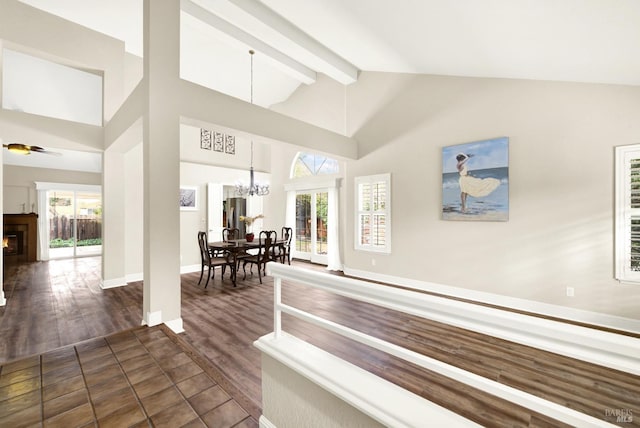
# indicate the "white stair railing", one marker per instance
pixel 621 352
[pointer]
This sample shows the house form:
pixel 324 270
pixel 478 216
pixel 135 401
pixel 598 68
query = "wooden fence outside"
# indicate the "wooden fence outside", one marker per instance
pixel 61 227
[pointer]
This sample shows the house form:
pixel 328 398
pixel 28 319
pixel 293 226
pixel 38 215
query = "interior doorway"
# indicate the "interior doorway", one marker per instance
pixel 225 207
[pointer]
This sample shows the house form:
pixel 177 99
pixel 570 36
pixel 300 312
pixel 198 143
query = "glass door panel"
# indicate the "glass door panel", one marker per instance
pixel 303 223
pixel 75 223
pixel 61 231
pixel 311 226
pixel 321 200
pixel 88 224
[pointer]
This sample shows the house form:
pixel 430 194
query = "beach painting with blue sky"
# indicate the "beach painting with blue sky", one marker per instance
pixel 475 181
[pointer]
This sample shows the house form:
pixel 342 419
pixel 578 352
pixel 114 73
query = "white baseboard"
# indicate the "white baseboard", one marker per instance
pixel 135 277
pixel 263 422
pixel 152 319
pixel 155 318
pixel 190 268
pixel 112 283
pixel 175 325
pixel 545 309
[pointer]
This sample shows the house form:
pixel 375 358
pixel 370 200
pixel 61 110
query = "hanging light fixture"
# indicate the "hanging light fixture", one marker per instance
pixel 253 188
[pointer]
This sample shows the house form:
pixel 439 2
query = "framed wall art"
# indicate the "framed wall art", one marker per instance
pixel 218 142
pixel 188 198
pixel 205 139
pixel 475 181
pixel 230 144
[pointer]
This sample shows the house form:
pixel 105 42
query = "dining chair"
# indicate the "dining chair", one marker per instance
pixel 230 233
pixel 274 253
pixel 263 256
pixel 282 250
pixel 211 261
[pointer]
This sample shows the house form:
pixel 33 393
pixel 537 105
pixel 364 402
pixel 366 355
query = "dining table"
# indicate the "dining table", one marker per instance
pixel 238 247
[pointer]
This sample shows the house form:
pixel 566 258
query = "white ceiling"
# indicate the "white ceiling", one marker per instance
pixel 69 160
pixel 594 41
pixel 568 40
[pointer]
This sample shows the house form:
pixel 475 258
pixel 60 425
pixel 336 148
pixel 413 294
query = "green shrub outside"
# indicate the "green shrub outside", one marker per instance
pixel 61 243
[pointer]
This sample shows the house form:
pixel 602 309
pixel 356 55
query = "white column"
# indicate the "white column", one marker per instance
pixel 113 219
pixel 161 164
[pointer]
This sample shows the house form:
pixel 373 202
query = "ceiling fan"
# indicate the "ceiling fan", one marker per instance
pixel 25 149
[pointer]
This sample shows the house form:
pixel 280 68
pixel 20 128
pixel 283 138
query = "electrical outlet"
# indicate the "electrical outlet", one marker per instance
pixel 570 292
pixel 373 262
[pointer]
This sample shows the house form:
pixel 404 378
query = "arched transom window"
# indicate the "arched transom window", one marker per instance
pixel 309 164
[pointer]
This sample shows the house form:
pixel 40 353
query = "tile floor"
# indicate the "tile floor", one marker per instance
pixel 137 378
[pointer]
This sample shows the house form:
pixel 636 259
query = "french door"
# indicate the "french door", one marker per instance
pixel 311 226
pixel 75 223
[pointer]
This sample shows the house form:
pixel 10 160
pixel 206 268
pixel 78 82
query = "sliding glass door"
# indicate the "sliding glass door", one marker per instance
pixel 75 223
pixel 311 226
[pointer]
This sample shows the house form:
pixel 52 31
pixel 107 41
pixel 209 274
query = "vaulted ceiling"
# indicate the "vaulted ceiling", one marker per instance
pixel 569 40
pixel 594 41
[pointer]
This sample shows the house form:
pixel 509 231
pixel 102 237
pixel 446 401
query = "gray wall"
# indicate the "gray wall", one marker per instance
pixel 560 228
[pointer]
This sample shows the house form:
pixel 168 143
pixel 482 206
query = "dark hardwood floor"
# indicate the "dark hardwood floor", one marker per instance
pixel 142 377
pixel 54 304
pixel 58 303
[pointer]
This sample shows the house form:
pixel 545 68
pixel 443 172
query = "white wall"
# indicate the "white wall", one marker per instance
pixel 191 222
pixel 133 214
pixel 560 228
pixel 290 400
pixel 190 150
pixel 275 204
pixel 34 85
pixel 199 167
pixel 282 157
pixel 19 185
pixel 132 73
pixel 18 199
pixel 191 174
pixel 39 33
pixel 322 104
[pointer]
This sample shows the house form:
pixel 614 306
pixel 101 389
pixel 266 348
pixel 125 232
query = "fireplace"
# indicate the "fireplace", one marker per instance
pixel 13 243
pixel 20 238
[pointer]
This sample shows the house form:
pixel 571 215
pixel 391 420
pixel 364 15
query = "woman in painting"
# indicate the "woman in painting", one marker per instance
pixel 476 187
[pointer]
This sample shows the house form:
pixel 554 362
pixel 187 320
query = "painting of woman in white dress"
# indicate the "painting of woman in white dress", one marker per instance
pixel 475 181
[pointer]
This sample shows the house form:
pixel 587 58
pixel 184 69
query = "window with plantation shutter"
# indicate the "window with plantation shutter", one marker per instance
pixel 628 213
pixel 373 209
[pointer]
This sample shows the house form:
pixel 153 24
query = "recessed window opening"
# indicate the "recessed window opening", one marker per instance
pixel 373 213
pixel 37 86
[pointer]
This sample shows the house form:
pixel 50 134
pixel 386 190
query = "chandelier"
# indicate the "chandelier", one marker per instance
pixel 253 188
